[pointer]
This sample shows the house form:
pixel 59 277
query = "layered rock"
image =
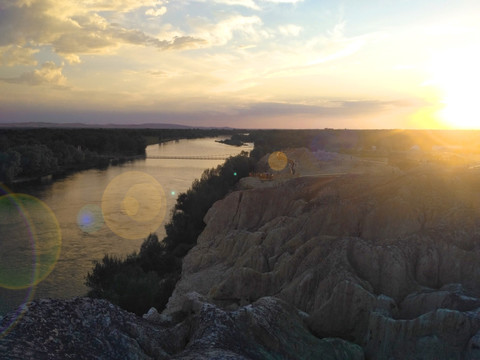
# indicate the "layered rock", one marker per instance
pixel 439 334
pixel 359 254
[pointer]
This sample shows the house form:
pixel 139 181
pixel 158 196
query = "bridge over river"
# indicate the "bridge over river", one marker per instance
pixel 192 157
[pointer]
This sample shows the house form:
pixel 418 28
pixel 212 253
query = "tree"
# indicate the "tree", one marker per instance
pixel 10 165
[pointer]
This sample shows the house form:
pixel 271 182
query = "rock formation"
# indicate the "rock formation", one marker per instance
pixel 349 260
pixel 387 260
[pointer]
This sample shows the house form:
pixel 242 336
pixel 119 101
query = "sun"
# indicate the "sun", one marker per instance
pixel 456 76
pixel 460 112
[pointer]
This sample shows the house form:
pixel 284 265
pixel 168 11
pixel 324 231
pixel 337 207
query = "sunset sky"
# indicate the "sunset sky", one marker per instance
pixel 242 63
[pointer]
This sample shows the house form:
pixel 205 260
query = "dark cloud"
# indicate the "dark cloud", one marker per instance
pixel 261 115
pixel 15 55
pixel 48 73
pixel 330 108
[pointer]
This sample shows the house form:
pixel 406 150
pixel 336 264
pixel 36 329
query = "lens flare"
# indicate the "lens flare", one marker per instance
pixel 9 298
pixel 90 218
pixel 32 256
pixel 14 299
pixel 134 205
pixel 277 161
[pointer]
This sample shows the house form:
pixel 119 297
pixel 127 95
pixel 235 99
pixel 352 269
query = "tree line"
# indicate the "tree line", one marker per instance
pixel 147 278
pixel 37 152
pixel 30 153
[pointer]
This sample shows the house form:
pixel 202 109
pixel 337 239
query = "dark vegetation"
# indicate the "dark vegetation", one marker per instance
pixel 33 153
pixel 147 278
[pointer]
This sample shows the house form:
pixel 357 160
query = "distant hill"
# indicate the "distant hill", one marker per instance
pixel 82 125
pixel 101 126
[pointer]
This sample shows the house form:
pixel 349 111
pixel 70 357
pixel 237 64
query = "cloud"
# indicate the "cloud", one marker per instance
pixel 331 46
pixel 222 32
pixel 342 113
pixel 328 108
pixel 72 58
pixel 156 12
pixel 49 73
pixel 73 28
pixel 160 73
pixel 245 3
pixel 12 55
pixel 119 5
pixel 251 4
pixel 283 1
pixel 290 30
pixel 338 114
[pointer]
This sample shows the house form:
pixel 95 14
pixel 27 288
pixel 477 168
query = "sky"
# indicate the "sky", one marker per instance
pixel 242 63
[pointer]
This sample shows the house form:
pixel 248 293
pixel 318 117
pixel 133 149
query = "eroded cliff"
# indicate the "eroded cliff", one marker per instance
pixel 385 259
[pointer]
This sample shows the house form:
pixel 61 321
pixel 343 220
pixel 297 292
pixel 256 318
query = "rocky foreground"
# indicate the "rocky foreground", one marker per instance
pixel 95 329
pixel 377 264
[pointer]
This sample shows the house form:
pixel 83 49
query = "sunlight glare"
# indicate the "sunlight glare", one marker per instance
pixel 456 75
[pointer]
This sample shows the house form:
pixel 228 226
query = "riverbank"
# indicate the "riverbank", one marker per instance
pixel 63 172
pixel 67 195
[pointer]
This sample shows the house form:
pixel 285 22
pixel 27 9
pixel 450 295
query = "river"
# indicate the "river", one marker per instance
pixel 84 235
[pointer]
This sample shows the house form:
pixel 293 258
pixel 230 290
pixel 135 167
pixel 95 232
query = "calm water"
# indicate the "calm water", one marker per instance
pixel 75 202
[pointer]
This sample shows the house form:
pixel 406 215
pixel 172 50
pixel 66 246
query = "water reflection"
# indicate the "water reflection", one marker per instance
pixel 75 201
